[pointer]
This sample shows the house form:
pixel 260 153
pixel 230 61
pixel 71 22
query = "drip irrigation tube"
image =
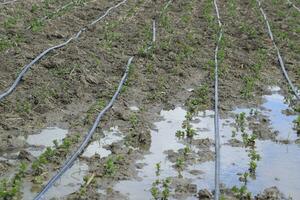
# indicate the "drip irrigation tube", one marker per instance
pixel 168 4
pixel 216 118
pixel 281 63
pixel 154 31
pixel 7 2
pixel 88 136
pixel 40 56
pixel 70 161
pixel 291 3
pixel 153 36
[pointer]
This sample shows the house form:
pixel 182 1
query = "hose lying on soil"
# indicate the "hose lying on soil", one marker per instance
pixel 40 56
pixel 7 2
pixel 71 160
pixel 88 136
pixel 281 63
pixel 153 36
pixel 294 5
pixel 216 118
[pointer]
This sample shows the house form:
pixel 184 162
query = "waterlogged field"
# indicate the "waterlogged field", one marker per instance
pixel 63 62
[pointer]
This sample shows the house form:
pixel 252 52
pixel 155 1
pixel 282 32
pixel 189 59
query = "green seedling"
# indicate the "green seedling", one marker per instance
pixel 252 166
pixel 180 163
pixel 134 120
pixel 186 151
pixel 155 192
pixel 241 193
pixel 160 190
pixel 10 189
pixel 240 120
pixel 10 22
pixel 36 25
pixel 109 167
pixel 190 132
pixel 158 168
pixel 180 134
pixel 248 87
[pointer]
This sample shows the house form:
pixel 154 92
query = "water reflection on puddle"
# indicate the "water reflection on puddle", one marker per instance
pixel 98 147
pixel 45 139
pixel 162 140
pixel 280 122
pixel 70 182
pixel 278 167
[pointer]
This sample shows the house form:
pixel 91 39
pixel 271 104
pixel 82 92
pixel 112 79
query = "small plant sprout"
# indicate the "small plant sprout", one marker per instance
pixel 55 142
pixel 241 121
pixel 189 116
pixel 133 120
pixel 190 132
pixel 155 192
pixel 166 190
pixel 254 155
pixel 180 163
pixel 186 150
pixel 252 166
pixel 233 134
pixel 158 168
pixel 242 192
pixel 109 167
pixel 180 134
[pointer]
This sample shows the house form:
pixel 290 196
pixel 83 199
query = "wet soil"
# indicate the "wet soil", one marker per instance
pixel 68 87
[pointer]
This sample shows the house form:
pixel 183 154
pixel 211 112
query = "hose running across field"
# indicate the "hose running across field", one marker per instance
pixel 71 160
pixel 291 3
pixel 7 2
pixel 40 56
pixel 88 136
pixel 281 63
pixel 216 117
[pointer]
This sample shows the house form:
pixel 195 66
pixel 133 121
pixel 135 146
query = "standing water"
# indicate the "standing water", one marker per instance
pixel 278 165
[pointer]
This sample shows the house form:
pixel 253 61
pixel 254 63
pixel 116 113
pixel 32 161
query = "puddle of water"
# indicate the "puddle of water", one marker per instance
pixel 280 122
pixel 45 139
pixel 70 182
pixel 278 167
pixel 97 147
pixel 163 139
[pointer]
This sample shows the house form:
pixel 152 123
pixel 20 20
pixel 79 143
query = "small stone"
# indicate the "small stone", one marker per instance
pixel 24 155
pixel 192 188
pixel 270 193
pixel 196 172
pixel 204 194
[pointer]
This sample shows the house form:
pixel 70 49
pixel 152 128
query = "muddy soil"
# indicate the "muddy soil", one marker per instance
pixel 69 86
pixel 284 21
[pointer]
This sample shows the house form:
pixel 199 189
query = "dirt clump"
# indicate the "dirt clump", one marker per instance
pixel 271 193
pixel 204 194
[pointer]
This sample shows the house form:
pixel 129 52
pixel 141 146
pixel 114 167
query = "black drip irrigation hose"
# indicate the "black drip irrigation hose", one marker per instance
pixel 40 56
pixel 87 138
pixel 153 36
pixel 89 135
pixel 216 117
pixel 281 63
pixel 291 3
pixel 7 2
